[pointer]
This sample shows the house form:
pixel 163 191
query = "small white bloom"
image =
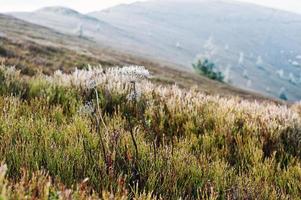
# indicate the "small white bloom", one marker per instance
pixel 3 169
pixel 91 84
pixel 87 109
pixel 132 72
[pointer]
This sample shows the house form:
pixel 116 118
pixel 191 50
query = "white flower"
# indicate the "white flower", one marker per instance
pixel 93 77
pixel 91 84
pixel 131 72
pixel 3 169
pixel 87 109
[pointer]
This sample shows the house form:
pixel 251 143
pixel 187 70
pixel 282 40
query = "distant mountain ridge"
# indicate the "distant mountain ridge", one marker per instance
pixel 59 9
pixel 72 22
pixel 257 48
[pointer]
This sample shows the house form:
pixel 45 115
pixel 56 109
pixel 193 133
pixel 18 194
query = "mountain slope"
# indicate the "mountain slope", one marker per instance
pixel 72 22
pixel 33 48
pixel 257 48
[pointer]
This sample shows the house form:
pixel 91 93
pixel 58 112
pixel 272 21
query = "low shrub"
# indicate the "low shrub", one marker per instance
pixel 133 139
pixel 208 69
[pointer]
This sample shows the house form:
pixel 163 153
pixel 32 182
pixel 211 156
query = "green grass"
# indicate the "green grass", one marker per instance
pixel 169 143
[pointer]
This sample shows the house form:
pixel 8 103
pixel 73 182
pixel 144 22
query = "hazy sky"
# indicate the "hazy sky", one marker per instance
pixel 92 5
pixel 288 5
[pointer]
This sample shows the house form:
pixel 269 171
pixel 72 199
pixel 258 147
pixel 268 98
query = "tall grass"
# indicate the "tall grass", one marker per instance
pixel 118 131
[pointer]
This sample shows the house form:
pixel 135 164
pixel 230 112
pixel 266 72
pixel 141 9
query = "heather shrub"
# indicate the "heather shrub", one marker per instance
pixel 40 185
pixel 297 108
pixel 130 138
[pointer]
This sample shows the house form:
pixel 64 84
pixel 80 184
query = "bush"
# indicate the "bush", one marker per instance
pixel 283 96
pixel 5 53
pixel 165 142
pixel 208 69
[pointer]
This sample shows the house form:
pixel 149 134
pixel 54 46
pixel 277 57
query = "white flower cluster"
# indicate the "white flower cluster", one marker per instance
pixel 10 73
pixel 134 72
pixel 96 76
pixel 79 78
pixel 297 107
pixel 191 102
pixel 87 109
pixel 274 117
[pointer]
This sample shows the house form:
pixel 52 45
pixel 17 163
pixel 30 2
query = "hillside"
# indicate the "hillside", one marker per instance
pixel 32 48
pixel 257 48
pixel 81 119
pixel 111 133
pixel 264 58
pixel 72 22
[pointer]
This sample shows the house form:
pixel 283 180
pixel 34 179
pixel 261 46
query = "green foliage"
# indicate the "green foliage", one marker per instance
pixel 208 69
pixel 167 146
pixel 283 96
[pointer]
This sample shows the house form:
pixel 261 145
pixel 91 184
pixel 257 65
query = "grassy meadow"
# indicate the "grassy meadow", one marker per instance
pixel 113 134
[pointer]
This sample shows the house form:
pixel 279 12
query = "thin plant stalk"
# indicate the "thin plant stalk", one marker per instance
pixel 99 115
